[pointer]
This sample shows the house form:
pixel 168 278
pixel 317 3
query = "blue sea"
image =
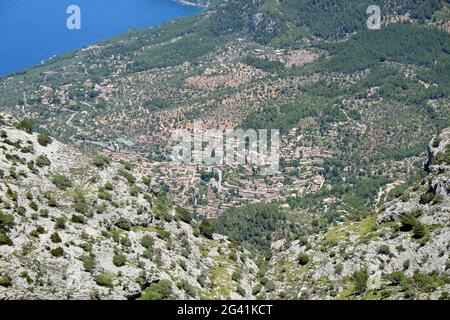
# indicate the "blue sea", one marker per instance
pixel 34 30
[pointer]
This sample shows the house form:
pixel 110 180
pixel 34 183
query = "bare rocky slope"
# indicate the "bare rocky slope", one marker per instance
pixel 402 252
pixel 79 226
pixel 76 226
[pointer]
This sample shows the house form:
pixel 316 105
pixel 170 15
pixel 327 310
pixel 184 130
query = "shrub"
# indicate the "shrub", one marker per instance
pixel 396 277
pixel 57 252
pixel 233 256
pixel 134 191
pixel 384 249
pixel 109 186
pixel 410 222
pixel 52 203
pixel 42 161
pixel 444 296
pixel 119 260
pixel 158 291
pixel 270 286
pixel 436 142
pixel 123 224
pixel 78 219
pixel 4 239
pixel 425 282
pixel 429 197
pixel 55 238
pixel 25 125
pixel 338 268
pixel 34 206
pixel 6 221
pixel 104 279
pixel 241 291
pixel 406 264
pixel 43 213
pixel 147 241
pixel 5 281
pixel 21 210
pixel 101 161
pixel 201 278
pixel 419 231
pixel 183 214
pixel 127 175
pixel 443 156
pixel 182 264
pixel 207 228
pixel 81 206
pixel 89 263
pixel 104 195
pixel 187 287
pixel 257 289
pixel 61 181
pixel 303 259
pixel 237 275
pixel 360 280
pixel 60 223
pixel 44 139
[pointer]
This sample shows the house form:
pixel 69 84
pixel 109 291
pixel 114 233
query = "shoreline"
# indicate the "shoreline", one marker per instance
pixel 45 60
pixel 192 4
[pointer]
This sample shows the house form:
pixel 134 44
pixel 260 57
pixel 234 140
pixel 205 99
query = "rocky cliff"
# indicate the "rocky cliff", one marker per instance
pixel 78 226
pixel 402 252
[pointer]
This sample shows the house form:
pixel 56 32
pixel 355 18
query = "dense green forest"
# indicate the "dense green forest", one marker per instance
pixel 254 225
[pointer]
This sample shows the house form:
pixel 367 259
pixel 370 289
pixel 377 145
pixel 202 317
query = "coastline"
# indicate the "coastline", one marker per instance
pixel 193 4
pixel 17 66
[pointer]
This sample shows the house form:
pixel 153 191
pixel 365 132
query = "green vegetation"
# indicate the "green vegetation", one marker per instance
pixel 55 238
pixel 266 65
pixel 104 279
pixel 360 281
pixel 4 239
pixel 443 157
pixel 57 252
pixel 25 125
pixel 147 241
pixel 183 214
pixel 119 260
pixel 207 228
pixel 410 222
pixel 61 181
pixel 5 281
pixel 89 263
pixel 128 176
pixel 303 259
pixel 384 249
pixel 78 219
pixel 123 224
pixel 42 161
pixel 6 221
pixel 158 291
pixel 101 161
pixel 44 139
pixel 253 225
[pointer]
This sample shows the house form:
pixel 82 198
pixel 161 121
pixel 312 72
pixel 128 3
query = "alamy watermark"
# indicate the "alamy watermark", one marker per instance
pixel 227 147
pixel 374 20
pixel 73 22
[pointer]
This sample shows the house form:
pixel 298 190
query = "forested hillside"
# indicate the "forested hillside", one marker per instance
pixel 356 108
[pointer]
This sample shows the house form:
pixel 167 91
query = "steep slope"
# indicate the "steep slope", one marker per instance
pixel 402 252
pixel 76 226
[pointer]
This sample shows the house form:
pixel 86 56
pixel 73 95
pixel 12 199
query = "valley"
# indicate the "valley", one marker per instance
pixel 358 209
